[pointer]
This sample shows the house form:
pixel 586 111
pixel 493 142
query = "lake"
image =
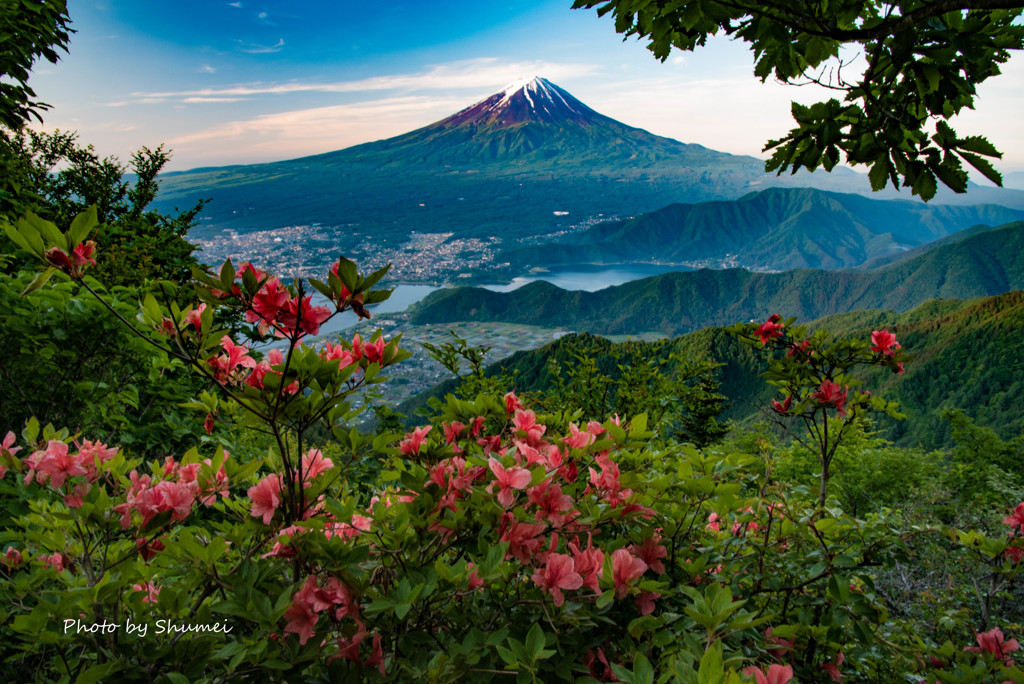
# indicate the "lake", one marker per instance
pixel 589 279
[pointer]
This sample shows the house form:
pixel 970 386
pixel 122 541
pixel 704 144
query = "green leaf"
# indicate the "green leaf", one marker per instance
pixel 983 166
pixel 38 281
pixel 82 225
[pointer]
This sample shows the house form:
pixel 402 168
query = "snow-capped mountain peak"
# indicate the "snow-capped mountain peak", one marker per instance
pixel 528 100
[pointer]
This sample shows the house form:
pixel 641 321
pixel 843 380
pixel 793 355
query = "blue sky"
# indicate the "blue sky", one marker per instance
pixel 228 82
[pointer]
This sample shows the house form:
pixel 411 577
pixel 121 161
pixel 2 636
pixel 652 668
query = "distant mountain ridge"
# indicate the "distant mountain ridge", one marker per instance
pixel 503 166
pixel 986 263
pixel 774 229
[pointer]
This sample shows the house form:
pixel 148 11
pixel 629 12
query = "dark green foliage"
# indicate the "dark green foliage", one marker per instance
pixel 55 177
pixel 68 361
pixel 29 31
pixel 987 263
pixel 773 229
pixel 924 62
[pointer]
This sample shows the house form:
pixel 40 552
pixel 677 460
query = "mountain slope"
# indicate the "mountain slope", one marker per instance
pixel 502 166
pixel 778 228
pixel 986 263
pixel 965 356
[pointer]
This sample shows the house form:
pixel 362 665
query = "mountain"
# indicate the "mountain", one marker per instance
pixel 530 160
pixel 965 356
pixel 985 263
pixel 774 229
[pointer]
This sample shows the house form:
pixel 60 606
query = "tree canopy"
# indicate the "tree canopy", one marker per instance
pixel 902 68
pixel 29 30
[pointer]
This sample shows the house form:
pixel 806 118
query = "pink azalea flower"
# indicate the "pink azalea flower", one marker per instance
pixel 507 480
pixel 770 329
pixel 296 317
pixel 475 581
pixel 151 590
pixel 1016 519
pixel 374 351
pixel 559 572
pixel 830 394
pixel 777 674
pixel 266 497
pixel 651 553
pixel 410 446
pixel 589 562
pixel 56 561
pixel 884 342
pixel 56 464
pixel 82 253
pixel 314 463
pixel 552 503
pixel 832 668
pixel 12 556
pixel 301 620
pixel 195 317
pixel 512 403
pixel 522 538
pixel 645 602
pixel 527 422
pixel 625 569
pixel 5 446
pixel 992 642
pixel 782 407
pixel 578 439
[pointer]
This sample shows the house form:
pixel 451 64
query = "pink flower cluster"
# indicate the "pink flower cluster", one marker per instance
pixel 56 465
pixel 178 490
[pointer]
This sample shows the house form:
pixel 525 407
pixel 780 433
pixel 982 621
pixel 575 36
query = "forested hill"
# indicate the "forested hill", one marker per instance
pixel 778 228
pixel 982 264
pixel 966 356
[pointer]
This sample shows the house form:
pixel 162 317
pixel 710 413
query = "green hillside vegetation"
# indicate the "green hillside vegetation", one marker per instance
pixel 965 357
pixel 983 264
pixel 776 229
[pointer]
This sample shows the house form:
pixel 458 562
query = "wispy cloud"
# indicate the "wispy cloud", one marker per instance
pixel 192 100
pixel 488 72
pixel 254 49
pixel 207 69
pixel 312 131
pixel 235 4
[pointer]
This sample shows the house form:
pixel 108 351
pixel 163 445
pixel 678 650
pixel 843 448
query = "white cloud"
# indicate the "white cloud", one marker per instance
pixel 484 73
pixel 312 131
pixel 191 100
pixel 254 49
pixel 207 69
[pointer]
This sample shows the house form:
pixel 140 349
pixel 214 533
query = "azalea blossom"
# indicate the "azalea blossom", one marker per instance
pixel 777 674
pixel 782 407
pixel 151 590
pixel 410 446
pixel 559 572
pixel 589 562
pixel 507 480
pixel 884 342
pixel 625 569
pixel 12 556
pixel 266 497
pixel 314 463
pixel 770 329
pixel 830 394
pixel 992 642
pixel 1016 519
pixel 832 668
